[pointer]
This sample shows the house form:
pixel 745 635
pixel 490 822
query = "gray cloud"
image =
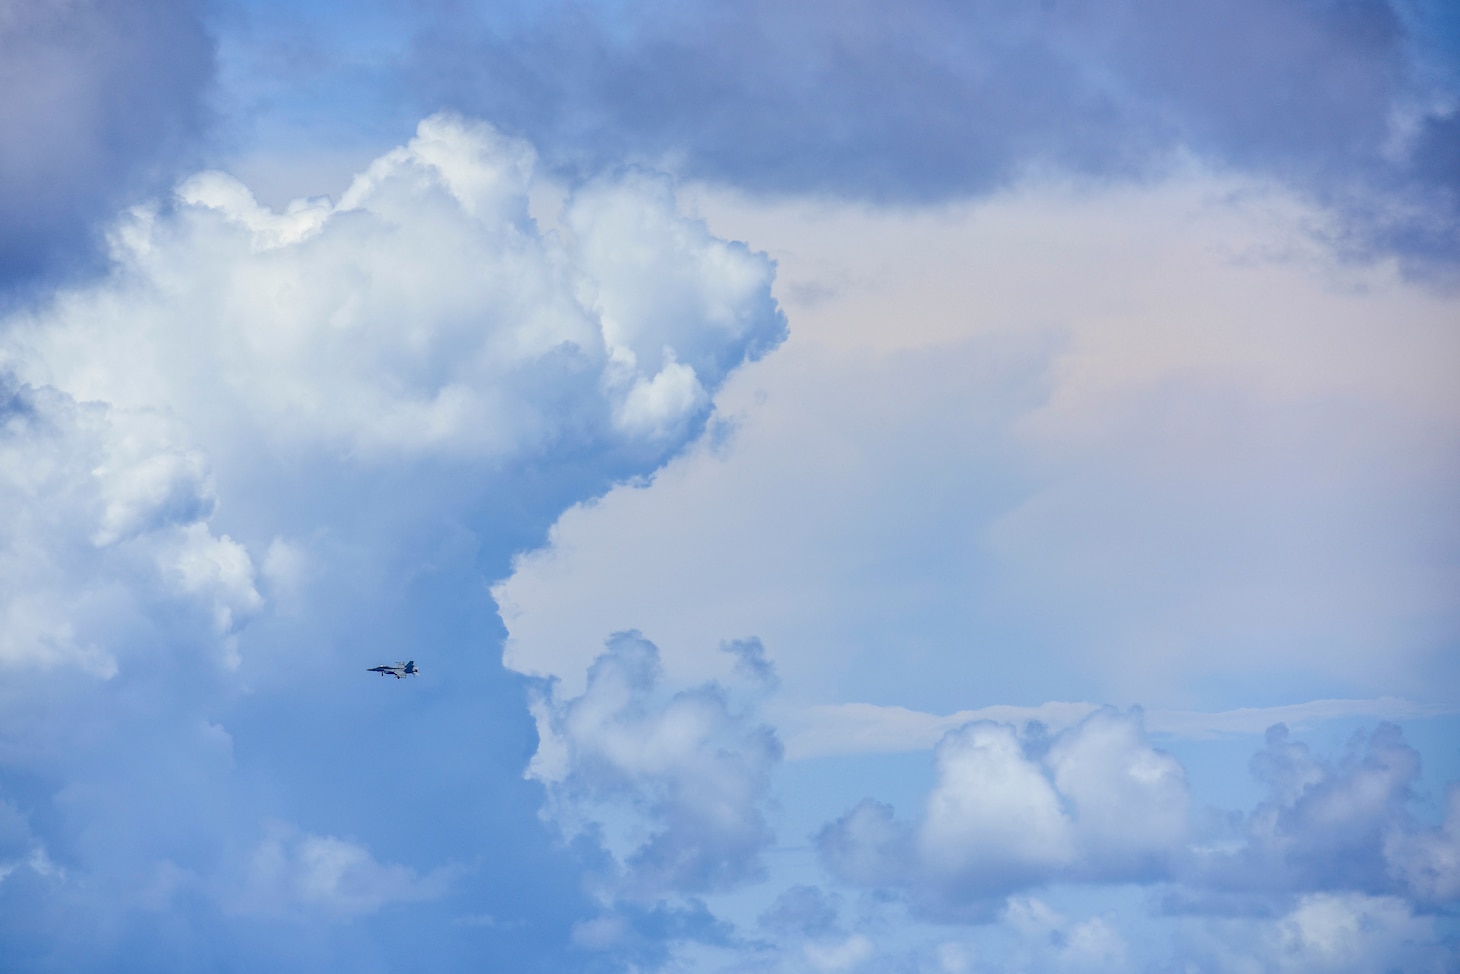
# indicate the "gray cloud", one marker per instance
pixel 1343 825
pixel 1011 811
pixel 931 100
pixel 99 103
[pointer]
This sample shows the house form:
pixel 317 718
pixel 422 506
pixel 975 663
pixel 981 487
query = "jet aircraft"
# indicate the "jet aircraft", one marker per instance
pixel 400 670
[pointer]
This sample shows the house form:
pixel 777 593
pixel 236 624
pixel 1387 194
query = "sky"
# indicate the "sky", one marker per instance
pixel 938 488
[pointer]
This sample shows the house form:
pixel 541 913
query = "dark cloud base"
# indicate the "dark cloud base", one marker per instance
pixel 933 100
pixel 100 104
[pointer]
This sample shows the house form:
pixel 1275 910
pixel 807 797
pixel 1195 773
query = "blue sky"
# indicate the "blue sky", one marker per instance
pixel 953 487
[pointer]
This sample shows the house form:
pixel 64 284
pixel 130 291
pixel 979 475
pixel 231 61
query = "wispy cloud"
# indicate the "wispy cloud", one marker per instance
pixel 863 728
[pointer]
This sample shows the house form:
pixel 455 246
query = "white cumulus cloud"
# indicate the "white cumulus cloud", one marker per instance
pixel 1323 933
pixel 261 446
pixel 105 513
pixel 424 313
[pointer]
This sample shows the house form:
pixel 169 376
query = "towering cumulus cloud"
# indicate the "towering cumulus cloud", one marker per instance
pixel 245 465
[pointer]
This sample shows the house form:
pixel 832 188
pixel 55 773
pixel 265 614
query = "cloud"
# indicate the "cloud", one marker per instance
pixel 1426 861
pixel 751 661
pixel 1340 99
pixel 849 954
pixel 690 772
pixel 99 105
pixel 993 813
pixel 1094 803
pixel 1342 825
pixel 801 911
pixel 1342 933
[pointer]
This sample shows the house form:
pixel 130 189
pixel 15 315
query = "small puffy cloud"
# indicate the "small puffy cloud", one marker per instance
pixel 1221 466
pixel 843 955
pixel 1323 933
pixel 645 937
pixel 1426 861
pixel 1128 800
pixel 751 661
pixel 1347 933
pixel 1322 816
pixel 147 481
pixel 1007 811
pixel 868 846
pixel 1051 941
pixel 18 846
pixel 1336 825
pixel 291 871
pixel 994 816
pixel 684 776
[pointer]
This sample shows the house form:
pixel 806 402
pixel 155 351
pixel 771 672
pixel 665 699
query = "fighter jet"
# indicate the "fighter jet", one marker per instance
pixel 400 670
